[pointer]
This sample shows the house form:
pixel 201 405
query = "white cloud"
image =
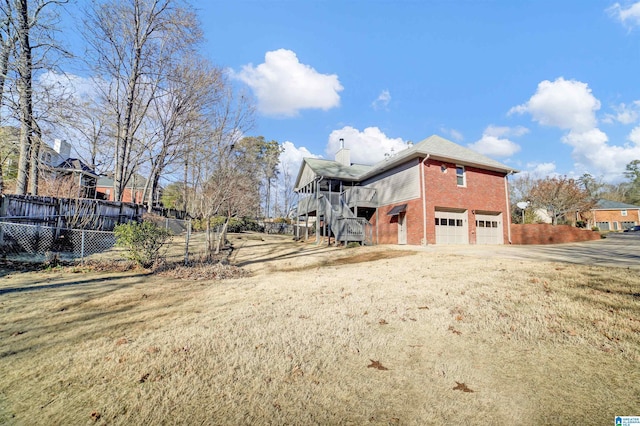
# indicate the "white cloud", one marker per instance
pixel 494 146
pixel 495 142
pixel 283 86
pixel 625 114
pixel 82 88
pixel 570 105
pixel 634 136
pixel 629 16
pixel 366 147
pixel 538 171
pixel 591 149
pixel 567 104
pixel 382 101
pixel 291 158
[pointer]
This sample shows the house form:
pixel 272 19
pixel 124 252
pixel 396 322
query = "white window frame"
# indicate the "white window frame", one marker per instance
pixel 464 176
pixel 623 213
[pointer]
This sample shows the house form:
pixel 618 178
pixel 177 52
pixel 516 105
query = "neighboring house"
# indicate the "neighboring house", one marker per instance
pixel 542 216
pixel 435 192
pixel 64 176
pixel 133 192
pixel 614 216
pixel 52 157
pixel 82 176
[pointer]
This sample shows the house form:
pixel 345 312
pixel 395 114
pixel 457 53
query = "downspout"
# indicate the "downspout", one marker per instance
pixel 506 194
pixel 424 201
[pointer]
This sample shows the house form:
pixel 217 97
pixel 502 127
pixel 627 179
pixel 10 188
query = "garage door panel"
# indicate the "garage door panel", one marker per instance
pixel 489 229
pixel 451 227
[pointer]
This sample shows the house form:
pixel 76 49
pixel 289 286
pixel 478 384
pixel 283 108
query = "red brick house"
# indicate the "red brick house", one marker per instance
pixel 132 193
pixel 614 216
pixel 434 192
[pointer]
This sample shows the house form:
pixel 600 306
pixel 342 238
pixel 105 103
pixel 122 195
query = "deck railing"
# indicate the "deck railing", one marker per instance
pixel 359 194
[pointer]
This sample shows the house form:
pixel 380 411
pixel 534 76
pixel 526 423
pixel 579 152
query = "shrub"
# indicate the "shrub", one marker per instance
pixel 143 241
pixel 235 224
pixel 353 244
pixel 595 228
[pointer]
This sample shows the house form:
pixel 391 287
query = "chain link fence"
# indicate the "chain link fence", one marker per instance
pixel 41 243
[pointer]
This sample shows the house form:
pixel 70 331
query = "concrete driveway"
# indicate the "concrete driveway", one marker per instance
pixel 617 250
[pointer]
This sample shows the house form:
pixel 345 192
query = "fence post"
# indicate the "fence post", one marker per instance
pixel 82 246
pixel 186 245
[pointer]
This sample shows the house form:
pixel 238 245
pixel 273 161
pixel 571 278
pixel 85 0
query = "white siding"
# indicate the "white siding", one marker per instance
pixel 401 183
pixel 307 175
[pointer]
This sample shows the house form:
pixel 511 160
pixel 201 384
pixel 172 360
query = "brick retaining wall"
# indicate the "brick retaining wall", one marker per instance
pixel 550 234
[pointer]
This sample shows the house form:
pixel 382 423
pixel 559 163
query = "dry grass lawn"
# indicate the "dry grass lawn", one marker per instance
pixel 319 335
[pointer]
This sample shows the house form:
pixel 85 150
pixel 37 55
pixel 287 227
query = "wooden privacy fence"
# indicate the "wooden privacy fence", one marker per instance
pixel 68 213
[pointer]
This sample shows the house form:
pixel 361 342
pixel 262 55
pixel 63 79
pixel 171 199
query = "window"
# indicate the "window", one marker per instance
pixel 460 176
pixel 623 212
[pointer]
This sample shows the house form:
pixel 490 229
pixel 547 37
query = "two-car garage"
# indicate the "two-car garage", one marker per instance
pixel 452 227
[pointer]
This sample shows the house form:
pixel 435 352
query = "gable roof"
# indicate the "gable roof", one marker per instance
pixel 434 146
pixel 335 169
pixel 603 204
pixel 75 165
pixel 439 148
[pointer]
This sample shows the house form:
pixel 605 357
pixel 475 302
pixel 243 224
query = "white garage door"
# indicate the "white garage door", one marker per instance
pixel 489 229
pixel 452 227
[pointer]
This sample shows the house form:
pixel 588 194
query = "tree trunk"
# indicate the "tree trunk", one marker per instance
pixel 222 237
pixel 34 172
pixel 25 68
pixel 208 232
pixel 185 188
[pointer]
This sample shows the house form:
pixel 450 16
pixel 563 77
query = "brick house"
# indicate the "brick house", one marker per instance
pixel 614 216
pixel 132 193
pixel 434 192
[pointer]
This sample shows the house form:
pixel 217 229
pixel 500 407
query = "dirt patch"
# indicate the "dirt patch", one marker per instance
pixel 353 259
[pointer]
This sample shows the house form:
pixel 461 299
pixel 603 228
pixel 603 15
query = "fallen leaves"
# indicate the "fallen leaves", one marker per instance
pixel 462 387
pixel 377 365
pixel 383 322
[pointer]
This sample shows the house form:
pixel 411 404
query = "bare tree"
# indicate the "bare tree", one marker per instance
pixel 220 177
pixel 192 88
pixel 132 44
pixel 560 196
pixel 27 45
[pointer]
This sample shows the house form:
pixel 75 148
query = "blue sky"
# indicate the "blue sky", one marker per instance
pixel 544 86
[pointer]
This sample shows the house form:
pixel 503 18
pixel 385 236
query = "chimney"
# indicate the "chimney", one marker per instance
pixel 343 156
pixel 63 148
